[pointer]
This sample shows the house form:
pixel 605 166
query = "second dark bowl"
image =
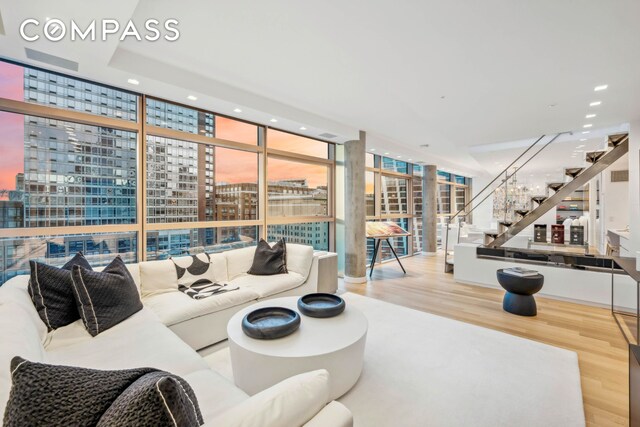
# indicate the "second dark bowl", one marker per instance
pixel 321 305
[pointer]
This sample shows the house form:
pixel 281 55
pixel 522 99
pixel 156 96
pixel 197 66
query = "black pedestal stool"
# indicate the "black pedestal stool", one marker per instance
pixel 520 290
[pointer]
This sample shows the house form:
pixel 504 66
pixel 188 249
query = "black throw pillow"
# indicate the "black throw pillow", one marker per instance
pixel 105 298
pixel 51 291
pixel 53 395
pixel 269 260
pixel 155 399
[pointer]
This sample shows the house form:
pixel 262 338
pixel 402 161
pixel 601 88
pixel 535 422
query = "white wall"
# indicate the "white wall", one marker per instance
pixel 561 283
pixel 614 198
pixel 483 214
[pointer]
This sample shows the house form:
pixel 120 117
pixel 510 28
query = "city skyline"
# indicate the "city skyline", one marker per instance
pixel 87 175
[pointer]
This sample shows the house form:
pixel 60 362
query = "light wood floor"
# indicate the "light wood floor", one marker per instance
pixel 589 331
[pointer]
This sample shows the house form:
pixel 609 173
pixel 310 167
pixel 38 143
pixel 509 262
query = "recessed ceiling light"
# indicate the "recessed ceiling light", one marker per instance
pixel 386 154
pixel 303 128
pixel 587 125
pixel 274 120
pixel 237 110
pixel 595 103
pixel 133 82
pixel 580 146
pixel 409 160
pixel 399 157
pixel 589 116
pixel 583 139
pixel 586 132
pixel 372 149
pixel 601 87
pixel 192 98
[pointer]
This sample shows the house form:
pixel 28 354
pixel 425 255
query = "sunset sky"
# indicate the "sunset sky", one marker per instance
pixel 11 128
pixel 316 175
pixel 232 166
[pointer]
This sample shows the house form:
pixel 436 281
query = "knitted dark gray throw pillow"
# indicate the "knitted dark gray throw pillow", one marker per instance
pixel 51 291
pixel 269 260
pixel 49 395
pixel 105 298
pixel 156 399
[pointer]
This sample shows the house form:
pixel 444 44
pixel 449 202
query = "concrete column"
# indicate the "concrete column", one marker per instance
pixel 354 211
pixel 430 209
pixel 634 185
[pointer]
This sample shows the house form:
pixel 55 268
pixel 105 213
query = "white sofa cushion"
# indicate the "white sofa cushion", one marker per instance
pixel 291 402
pixel 139 341
pixel 175 307
pixel 157 277
pixel 14 292
pixel 215 393
pixel 265 286
pixel 239 261
pixel 19 336
pixel 335 414
pixel 299 259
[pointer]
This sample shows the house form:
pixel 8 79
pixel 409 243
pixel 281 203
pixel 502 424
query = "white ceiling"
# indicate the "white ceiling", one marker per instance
pixel 567 151
pixel 453 75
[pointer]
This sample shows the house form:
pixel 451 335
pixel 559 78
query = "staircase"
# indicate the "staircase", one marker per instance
pixel 579 177
pixel 599 161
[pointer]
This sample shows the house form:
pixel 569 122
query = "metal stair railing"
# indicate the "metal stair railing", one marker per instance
pixel 606 160
pixel 505 171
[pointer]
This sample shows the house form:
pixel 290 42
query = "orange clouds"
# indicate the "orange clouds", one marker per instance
pixel 234 166
pixel 234 130
pixel 11 150
pixel 296 144
pixel 316 175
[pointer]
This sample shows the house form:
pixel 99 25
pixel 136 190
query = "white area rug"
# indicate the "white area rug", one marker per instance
pixel 426 370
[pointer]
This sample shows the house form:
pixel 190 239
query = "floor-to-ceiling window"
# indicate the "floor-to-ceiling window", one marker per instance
pixel 92 168
pixel 394 192
pixel 453 194
pixel 389 197
pixel 300 174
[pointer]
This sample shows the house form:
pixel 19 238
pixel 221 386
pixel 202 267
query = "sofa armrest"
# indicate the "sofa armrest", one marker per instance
pixel 323 275
pixel 335 414
pixel 291 402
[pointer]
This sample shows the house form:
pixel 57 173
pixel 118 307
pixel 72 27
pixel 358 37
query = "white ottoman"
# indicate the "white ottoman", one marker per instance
pixel 335 344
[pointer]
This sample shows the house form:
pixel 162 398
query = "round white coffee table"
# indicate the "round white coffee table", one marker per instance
pixel 335 344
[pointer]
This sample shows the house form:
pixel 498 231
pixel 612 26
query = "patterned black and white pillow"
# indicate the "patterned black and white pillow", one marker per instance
pixel 194 270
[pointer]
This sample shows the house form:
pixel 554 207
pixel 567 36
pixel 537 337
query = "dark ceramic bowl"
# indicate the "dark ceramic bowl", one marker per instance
pixel 269 323
pixel 321 305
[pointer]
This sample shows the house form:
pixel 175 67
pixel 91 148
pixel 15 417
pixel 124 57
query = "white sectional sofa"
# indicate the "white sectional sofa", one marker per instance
pixel 161 336
pixel 201 323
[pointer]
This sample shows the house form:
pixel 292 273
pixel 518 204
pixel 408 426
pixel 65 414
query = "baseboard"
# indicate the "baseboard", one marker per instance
pixel 541 294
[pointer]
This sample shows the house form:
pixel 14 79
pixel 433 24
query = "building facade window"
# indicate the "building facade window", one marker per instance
pixel 71 175
pixel 314 234
pixel 162 244
pixel 394 192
